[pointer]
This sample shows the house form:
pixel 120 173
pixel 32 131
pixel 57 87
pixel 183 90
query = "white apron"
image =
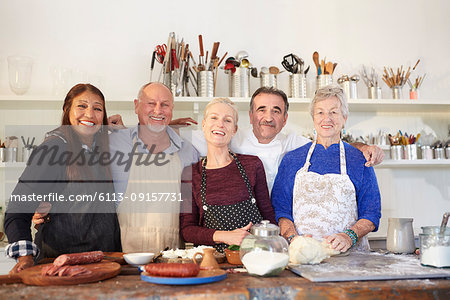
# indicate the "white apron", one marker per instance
pixel 151 226
pixel 325 204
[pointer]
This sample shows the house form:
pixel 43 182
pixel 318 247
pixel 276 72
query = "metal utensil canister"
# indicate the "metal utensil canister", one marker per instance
pixel 297 86
pixel 427 152
pixel 268 80
pixel 396 92
pixel 2 154
pixel 323 80
pixel 411 152
pixel 239 83
pixel 396 152
pixel 374 92
pixel 439 153
pixel 205 84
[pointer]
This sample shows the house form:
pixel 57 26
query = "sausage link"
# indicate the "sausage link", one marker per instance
pixel 78 258
pixel 172 269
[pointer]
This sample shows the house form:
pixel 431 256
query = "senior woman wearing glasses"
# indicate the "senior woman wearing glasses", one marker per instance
pixel 324 189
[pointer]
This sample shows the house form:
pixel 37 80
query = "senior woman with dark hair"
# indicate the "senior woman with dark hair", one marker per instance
pixel 324 189
pixel 228 191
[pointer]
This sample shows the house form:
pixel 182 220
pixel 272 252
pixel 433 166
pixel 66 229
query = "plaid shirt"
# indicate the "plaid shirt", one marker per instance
pixel 21 248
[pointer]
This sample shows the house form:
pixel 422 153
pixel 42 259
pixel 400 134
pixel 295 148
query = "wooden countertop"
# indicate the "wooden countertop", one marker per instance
pixel 236 286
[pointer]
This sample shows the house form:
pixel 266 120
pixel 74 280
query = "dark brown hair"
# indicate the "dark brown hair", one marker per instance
pixel 75 171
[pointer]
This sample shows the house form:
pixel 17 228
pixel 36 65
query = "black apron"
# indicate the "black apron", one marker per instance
pixel 232 216
pixel 78 229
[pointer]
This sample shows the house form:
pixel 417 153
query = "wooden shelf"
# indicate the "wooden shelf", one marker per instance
pixel 197 104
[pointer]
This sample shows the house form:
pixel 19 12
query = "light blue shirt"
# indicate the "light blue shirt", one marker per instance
pixel 121 142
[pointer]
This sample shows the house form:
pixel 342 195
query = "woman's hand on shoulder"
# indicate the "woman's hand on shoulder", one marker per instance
pixel 339 241
pixel 116 122
pixel 233 237
pixel 23 262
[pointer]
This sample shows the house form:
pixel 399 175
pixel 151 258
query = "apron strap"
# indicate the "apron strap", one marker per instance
pixel 241 170
pixel 342 156
pixel 308 157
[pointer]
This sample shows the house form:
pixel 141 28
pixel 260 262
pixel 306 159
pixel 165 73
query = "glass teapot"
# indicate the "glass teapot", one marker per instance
pixel 264 252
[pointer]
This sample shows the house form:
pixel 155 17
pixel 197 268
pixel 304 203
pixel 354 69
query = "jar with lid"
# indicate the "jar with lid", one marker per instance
pixel 435 247
pixel 264 252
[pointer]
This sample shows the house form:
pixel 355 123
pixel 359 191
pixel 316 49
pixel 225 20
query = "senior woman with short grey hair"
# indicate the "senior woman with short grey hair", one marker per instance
pixel 324 189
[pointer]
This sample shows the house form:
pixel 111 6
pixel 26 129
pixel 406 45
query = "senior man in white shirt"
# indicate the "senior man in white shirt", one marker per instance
pixel 268 115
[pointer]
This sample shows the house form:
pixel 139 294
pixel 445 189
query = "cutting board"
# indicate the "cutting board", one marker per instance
pixel 368 266
pixel 100 271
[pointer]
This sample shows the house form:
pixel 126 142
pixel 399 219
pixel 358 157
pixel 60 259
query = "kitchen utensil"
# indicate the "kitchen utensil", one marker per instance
pixel 204 276
pixel 245 63
pixel 274 70
pixel 329 68
pixel 264 245
pixel 400 235
pixel 241 55
pixel 316 61
pixel 100 271
pixel 292 63
pixel 208 260
pixel 444 222
pixel 359 266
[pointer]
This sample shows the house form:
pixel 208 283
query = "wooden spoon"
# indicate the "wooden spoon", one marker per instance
pixel 334 67
pixel 316 60
pixel 329 68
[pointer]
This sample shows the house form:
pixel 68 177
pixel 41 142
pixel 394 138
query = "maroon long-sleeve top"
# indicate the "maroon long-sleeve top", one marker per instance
pixel 224 186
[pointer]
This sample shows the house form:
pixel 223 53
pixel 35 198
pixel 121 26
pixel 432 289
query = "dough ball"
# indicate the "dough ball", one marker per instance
pixel 307 250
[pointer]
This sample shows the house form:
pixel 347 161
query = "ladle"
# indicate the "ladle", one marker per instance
pixel 444 222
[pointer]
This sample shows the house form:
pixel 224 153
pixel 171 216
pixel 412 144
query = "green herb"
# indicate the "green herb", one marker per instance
pixel 234 247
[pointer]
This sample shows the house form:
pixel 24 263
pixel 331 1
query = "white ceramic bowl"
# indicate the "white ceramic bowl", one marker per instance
pixel 138 259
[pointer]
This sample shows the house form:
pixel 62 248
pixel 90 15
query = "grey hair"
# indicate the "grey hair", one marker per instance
pixel 224 101
pixel 270 91
pixel 141 90
pixel 330 91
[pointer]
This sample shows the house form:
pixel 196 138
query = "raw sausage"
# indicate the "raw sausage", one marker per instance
pixel 173 269
pixel 78 258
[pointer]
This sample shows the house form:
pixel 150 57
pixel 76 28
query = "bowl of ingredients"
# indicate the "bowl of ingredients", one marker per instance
pixel 138 259
pixel 232 254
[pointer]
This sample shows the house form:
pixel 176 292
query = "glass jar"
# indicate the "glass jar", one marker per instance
pixel 264 252
pixel 435 247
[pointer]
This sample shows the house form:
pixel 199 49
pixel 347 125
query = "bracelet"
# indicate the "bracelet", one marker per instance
pixel 352 235
pixel 289 239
